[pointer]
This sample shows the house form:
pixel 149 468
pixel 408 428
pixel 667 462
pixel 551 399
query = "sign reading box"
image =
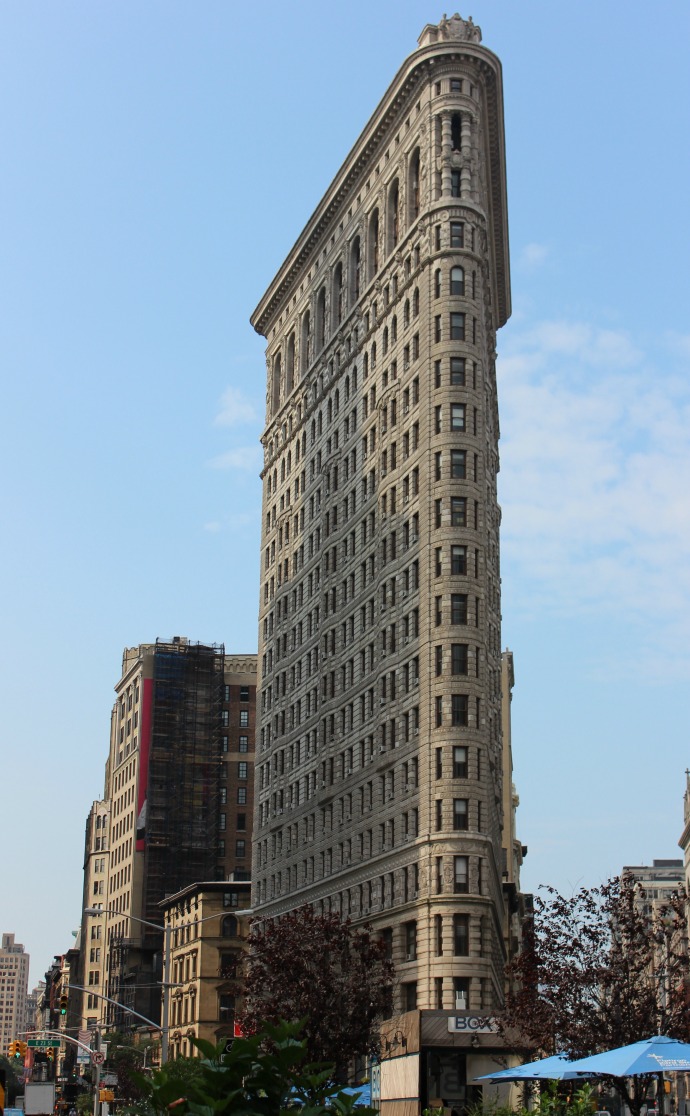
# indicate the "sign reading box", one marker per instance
pixel 472 1025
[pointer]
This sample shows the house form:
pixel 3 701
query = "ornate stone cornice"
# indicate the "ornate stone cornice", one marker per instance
pixel 395 102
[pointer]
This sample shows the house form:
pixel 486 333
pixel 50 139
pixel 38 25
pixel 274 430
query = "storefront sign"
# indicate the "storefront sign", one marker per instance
pixel 472 1024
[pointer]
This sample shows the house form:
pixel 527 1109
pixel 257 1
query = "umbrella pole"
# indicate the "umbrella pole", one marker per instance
pixel 660 1093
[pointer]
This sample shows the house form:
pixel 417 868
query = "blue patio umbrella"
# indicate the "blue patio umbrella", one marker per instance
pixel 555 1068
pixel 658 1054
pixel 361 1092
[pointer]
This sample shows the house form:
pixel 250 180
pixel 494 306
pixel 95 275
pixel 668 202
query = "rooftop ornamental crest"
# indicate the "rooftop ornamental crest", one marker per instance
pixel 455 29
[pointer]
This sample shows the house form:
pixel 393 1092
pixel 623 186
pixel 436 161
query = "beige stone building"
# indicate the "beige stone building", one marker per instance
pixel 381 768
pixel 209 938
pixel 177 808
pixel 14 983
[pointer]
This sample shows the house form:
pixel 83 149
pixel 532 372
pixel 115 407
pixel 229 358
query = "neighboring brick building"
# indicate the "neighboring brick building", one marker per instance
pixel 177 809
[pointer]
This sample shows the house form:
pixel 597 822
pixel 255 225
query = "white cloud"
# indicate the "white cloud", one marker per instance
pixel 213 527
pixel 595 469
pixel 235 409
pixel 533 256
pixel 246 458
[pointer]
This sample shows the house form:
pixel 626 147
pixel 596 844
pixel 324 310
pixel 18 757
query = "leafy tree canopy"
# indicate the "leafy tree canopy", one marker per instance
pixel 319 969
pixel 601 969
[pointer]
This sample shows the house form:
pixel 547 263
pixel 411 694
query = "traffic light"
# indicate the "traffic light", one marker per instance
pixel 50 1053
pixel 17 1051
pixel 12 1049
pixel 23 1049
pixel 63 1004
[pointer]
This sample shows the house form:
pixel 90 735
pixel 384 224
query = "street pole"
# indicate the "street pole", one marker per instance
pixel 165 1021
pixel 97 1083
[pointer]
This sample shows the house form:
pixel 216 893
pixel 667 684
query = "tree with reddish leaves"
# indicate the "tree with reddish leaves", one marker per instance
pixel 322 970
pixel 601 969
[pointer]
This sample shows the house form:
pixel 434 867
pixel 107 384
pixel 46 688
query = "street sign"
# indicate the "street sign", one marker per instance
pixel 97 1057
pixel 42 1043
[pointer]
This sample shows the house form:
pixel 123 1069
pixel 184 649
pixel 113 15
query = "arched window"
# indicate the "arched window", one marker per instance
pixel 393 215
pixel 415 302
pixel 337 296
pixel 321 319
pixel 229 927
pixel 457 281
pixel 290 365
pixel 385 341
pixel 305 343
pixel 275 384
pixel 373 355
pixel 406 313
pixel 394 330
pixel 413 186
pixel 355 270
pixel 373 246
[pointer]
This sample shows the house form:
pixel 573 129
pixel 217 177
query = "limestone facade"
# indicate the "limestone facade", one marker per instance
pixel 379 752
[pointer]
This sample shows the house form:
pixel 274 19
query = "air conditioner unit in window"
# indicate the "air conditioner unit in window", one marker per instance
pixel 410 957
pixel 416 732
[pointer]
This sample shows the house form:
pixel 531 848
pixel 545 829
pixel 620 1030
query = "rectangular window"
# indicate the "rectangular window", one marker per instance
pixel 457 371
pixel 438 506
pixel 240 848
pixel 437 420
pixel 457 416
pixel 439 711
pixel 457 327
pixel 244 744
pixel 225 718
pixel 461 875
pixel 439 814
pixel 457 234
pixel 410 930
pixel 244 718
pixel 458 608
pixel 437 373
pixel 460 814
pixel 437 328
pixel 437 469
pixel 439 763
pixel 458 464
pixel 439 660
pixel 242 769
pixel 244 693
pixel 242 796
pixel 458 561
pixel 458 511
pixel 460 706
pixel 459 762
pixel 461 989
pixel 241 821
pixel 461 935
pixel 459 654
pixel 409 991
pixel 438 615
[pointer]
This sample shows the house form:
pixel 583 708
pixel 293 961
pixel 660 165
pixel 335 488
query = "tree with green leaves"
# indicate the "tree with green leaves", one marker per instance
pixel 322 970
pixel 266 1074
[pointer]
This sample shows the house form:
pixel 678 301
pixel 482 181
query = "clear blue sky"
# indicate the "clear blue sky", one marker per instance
pixel 159 158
